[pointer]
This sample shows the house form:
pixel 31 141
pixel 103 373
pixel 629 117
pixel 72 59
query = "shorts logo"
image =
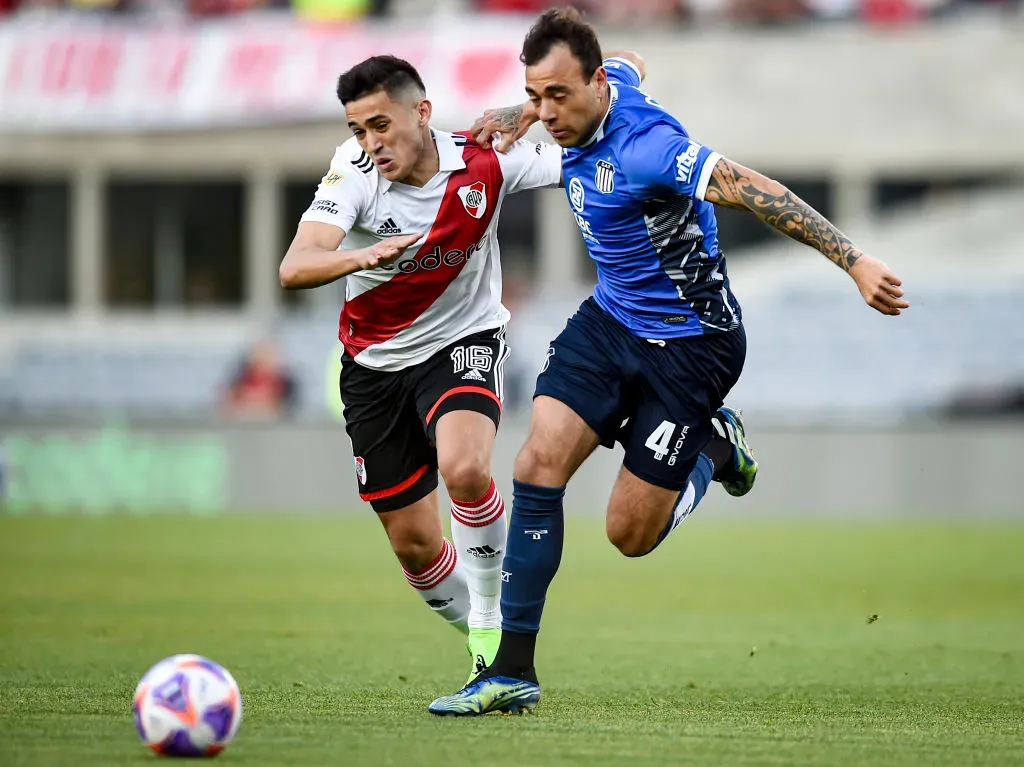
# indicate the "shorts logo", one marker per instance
pixel 361 469
pixel 605 178
pixel 547 358
pixel 333 178
pixel 576 193
pixel 474 198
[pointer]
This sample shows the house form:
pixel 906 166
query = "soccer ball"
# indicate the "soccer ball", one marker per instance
pixel 187 705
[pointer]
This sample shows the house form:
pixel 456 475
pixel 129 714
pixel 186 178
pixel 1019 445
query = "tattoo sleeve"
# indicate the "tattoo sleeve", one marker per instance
pixel 733 186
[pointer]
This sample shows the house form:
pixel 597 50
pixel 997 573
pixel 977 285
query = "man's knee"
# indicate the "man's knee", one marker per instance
pixel 467 476
pixel 634 532
pixel 414 549
pixel 630 541
pixel 415 535
pixel 539 463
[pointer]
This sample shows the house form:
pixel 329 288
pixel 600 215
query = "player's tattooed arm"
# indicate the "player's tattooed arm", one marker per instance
pixel 511 122
pixel 734 186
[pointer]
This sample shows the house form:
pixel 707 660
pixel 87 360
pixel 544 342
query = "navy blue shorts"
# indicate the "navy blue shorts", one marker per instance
pixel 668 390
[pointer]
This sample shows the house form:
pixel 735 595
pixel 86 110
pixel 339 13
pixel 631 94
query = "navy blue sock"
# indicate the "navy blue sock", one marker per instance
pixel 691 495
pixel 532 556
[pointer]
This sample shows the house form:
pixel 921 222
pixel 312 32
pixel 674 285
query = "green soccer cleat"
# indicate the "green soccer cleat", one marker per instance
pixel 737 479
pixel 482 646
pixel 496 693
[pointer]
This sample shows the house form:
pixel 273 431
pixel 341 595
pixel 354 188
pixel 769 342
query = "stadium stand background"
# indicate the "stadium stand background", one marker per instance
pixel 140 234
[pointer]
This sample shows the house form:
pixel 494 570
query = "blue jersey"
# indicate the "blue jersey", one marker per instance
pixel 636 189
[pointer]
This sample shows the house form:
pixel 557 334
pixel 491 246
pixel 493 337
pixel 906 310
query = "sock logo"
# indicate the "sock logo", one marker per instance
pixel 437 604
pixel 505 576
pixel 535 534
pixel 483 552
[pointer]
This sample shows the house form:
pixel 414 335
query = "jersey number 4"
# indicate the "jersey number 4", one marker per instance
pixel 661 439
pixel 660 442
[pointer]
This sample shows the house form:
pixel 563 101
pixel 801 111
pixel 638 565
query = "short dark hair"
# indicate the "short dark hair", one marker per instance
pixel 378 73
pixel 563 25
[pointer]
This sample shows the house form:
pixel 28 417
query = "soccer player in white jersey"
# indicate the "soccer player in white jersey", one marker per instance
pixel 409 215
pixel 648 359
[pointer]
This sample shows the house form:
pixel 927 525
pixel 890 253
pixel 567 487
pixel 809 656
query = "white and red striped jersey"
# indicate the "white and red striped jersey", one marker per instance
pixel 448 285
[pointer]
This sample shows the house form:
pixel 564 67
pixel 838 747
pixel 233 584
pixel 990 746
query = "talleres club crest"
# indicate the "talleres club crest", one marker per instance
pixel 474 198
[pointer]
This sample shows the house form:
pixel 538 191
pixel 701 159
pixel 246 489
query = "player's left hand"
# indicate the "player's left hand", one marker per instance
pixel 509 125
pixel 879 286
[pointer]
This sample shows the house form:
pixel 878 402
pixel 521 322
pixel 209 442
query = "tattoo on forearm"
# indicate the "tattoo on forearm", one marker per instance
pixel 508 118
pixel 734 186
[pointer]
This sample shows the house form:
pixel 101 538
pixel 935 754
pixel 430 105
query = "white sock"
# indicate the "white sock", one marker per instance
pixel 479 531
pixel 442 584
pixel 684 505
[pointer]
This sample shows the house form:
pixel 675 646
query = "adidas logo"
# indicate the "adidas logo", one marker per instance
pixel 473 375
pixel 389 228
pixel 483 552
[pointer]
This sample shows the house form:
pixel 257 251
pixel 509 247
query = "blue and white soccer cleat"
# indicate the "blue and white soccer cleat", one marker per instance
pixel 496 693
pixel 739 478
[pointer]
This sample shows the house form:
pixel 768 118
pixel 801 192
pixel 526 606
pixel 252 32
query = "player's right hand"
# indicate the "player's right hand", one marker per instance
pixel 503 127
pixel 387 251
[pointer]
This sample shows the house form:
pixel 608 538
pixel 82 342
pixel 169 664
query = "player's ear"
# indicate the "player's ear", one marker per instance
pixel 600 78
pixel 425 110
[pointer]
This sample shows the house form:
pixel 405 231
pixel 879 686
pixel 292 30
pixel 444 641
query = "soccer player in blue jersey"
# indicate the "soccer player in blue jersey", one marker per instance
pixel 650 357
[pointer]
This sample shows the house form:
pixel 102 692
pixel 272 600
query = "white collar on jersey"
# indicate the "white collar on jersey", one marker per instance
pixel 613 96
pixel 449 157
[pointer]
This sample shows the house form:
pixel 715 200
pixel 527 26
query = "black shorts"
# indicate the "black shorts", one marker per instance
pixel 390 416
pixel 657 399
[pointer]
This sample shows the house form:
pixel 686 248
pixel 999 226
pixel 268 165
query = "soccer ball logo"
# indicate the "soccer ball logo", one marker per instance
pixel 187 705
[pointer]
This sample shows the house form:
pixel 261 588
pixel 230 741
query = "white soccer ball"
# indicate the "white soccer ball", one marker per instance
pixel 187 705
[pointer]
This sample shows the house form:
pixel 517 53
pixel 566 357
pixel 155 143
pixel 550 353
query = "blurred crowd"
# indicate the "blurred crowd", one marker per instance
pixel 616 12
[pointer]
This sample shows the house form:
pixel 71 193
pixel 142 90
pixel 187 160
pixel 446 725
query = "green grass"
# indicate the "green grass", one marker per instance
pixel 644 662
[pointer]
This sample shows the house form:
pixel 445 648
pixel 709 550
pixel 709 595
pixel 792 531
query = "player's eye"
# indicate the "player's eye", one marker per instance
pixel 558 98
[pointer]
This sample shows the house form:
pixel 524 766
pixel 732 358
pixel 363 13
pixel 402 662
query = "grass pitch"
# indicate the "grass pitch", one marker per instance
pixel 734 644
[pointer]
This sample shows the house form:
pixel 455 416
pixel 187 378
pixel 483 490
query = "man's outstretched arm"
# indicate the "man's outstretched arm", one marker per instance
pixel 734 186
